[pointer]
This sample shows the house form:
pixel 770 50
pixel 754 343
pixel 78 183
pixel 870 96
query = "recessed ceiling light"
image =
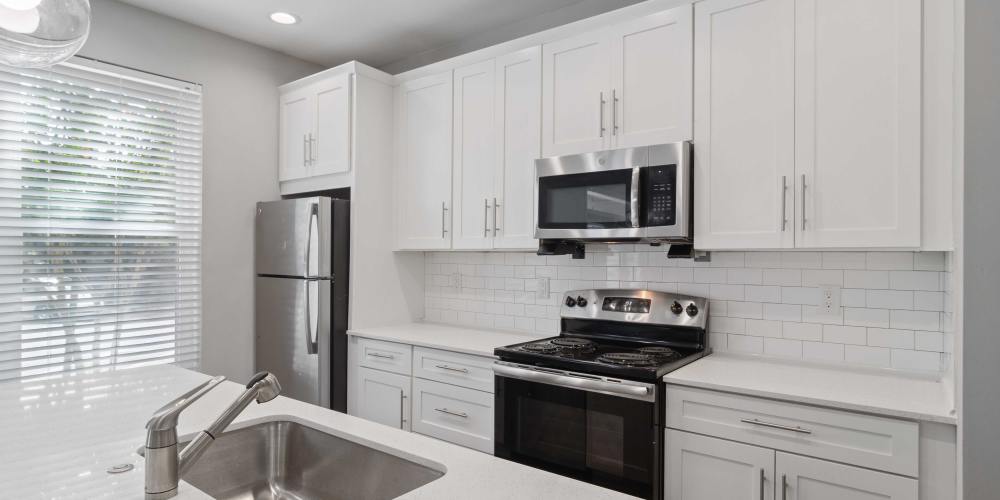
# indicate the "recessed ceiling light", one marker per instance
pixel 284 18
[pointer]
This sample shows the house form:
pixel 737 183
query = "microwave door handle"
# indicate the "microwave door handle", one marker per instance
pixel 637 192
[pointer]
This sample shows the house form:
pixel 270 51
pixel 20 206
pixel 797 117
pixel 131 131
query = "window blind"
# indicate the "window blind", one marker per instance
pixel 100 219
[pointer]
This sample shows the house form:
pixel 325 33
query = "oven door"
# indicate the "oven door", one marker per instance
pixel 575 428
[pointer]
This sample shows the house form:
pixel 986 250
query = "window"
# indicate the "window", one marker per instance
pixel 100 219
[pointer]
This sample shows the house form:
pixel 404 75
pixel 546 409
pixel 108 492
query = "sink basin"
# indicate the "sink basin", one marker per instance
pixel 289 461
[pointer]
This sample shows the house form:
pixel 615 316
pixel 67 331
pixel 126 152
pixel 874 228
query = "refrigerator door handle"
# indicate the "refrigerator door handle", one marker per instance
pixel 312 320
pixel 312 254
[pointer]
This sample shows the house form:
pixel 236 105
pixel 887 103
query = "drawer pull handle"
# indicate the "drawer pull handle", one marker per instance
pixel 455 413
pixel 762 423
pixel 383 356
pixel 446 367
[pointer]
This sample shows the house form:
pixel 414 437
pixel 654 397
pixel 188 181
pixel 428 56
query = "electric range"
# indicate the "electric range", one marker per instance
pixel 589 402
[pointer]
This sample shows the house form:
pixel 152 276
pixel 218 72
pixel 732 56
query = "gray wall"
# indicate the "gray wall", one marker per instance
pixel 240 152
pixel 981 349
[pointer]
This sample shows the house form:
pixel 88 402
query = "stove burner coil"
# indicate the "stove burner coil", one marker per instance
pixel 660 352
pixel 627 359
pixel 573 344
pixel 541 347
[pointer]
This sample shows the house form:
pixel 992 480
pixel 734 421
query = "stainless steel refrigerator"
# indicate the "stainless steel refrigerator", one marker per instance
pixel 300 289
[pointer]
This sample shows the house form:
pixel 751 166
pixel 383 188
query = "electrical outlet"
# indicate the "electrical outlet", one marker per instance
pixel 542 288
pixel 829 300
pixel 456 280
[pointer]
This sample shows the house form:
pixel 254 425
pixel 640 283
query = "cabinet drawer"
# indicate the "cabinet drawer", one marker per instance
pixel 863 440
pixel 474 372
pixel 454 414
pixel 388 356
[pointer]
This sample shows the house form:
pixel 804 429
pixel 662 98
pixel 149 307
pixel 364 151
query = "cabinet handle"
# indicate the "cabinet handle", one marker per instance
pixel 312 157
pixel 496 208
pixel 784 197
pixel 402 409
pixel 762 423
pixel 444 215
pixel 446 367
pixel 305 150
pixel 383 356
pixel 601 102
pixel 614 111
pixel 761 483
pixel 486 217
pixel 784 487
pixel 454 413
pixel 803 202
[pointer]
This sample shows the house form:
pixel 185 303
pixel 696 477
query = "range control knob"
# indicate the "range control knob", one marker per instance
pixel 676 308
pixel 692 310
pixel 570 301
pixel 580 301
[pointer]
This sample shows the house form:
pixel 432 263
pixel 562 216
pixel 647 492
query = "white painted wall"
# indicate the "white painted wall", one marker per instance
pixel 240 152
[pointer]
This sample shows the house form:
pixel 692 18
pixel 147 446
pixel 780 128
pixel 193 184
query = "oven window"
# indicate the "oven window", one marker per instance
pixel 605 440
pixel 594 200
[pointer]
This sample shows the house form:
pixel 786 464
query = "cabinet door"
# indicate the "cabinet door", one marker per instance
pixel 576 87
pixel 423 163
pixel 518 133
pixel 652 76
pixel 474 156
pixel 857 123
pixel 383 397
pixel 704 468
pixel 454 414
pixel 331 148
pixel 744 133
pixel 296 123
pixel 810 479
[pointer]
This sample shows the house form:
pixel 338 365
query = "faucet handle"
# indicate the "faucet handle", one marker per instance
pixel 166 417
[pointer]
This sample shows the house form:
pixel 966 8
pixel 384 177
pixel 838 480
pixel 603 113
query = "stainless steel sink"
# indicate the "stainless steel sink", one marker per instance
pixel 288 461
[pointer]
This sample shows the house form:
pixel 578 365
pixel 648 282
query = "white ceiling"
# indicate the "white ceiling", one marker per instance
pixel 376 32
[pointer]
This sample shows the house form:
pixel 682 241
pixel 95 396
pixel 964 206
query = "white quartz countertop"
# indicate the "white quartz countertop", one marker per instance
pixel 448 337
pixel 60 435
pixel 882 392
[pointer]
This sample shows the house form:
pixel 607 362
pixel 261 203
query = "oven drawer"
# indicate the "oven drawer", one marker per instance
pixel 864 440
pixel 382 355
pixel 454 414
pixel 466 370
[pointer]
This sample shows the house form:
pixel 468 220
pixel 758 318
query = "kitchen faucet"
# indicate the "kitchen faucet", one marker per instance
pixel 164 465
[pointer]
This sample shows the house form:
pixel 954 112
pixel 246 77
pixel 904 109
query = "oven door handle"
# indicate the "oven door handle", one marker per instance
pixel 631 390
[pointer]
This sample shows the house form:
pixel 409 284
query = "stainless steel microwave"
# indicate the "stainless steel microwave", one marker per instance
pixel 639 194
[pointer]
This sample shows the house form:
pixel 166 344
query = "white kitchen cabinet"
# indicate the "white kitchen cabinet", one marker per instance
pixel 744 131
pixel 423 163
pixel 622 86
pixel 857 123
pixel 704 468
pixel 474 145
pixel 518 113
pixel 382 397
pixel 315 130
pixel 794 148
pixel 804 478
pixel 296 120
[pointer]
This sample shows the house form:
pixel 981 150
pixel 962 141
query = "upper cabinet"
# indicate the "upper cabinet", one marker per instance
pixel 807 124
pixel 315 136
pixel 627 85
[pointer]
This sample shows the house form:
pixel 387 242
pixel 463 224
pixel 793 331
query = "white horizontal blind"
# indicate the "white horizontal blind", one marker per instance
pixel 100 219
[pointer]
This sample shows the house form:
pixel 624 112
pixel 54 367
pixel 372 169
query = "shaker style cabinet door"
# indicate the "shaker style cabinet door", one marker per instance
pixel 423 163
pixel 331 153
pixel 802 478
pixel 744 130
pixel 517 129
pixel 474 156
pixel 576 83
pixel 383 397
pixel 296 123
pixel 857 123
pixel 651 60
pixel 704 468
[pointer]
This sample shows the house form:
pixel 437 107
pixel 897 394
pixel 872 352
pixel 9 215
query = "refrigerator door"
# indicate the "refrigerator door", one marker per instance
pixel 292 238
pixel 293 335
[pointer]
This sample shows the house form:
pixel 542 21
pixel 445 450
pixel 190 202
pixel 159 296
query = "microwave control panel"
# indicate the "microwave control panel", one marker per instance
pixel 660 186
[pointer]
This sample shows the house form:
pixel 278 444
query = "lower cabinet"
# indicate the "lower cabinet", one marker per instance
pixel 455 414
pixel 383 397
pixel 706 468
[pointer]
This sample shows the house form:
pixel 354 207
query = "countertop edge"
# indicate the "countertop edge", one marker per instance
pixel 384 333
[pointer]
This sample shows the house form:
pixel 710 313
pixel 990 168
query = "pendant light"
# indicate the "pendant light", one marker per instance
pixel 40 33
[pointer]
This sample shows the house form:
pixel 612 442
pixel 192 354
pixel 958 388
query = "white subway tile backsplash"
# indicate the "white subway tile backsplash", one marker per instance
pixel 893 310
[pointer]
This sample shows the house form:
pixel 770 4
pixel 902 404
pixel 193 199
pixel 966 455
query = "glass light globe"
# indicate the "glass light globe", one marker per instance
pixel 40 33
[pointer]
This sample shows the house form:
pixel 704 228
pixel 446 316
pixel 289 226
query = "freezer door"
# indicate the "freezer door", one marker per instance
pixel 293 336
pixel 292 238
